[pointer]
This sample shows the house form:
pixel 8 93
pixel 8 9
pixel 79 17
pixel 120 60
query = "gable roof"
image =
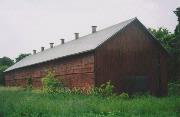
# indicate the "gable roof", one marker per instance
pixel 81 45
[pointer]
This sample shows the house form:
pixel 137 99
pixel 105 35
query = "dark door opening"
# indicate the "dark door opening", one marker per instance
pixel 135 84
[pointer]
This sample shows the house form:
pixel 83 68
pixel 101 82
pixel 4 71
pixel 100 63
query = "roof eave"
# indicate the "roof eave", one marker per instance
pixel 51 60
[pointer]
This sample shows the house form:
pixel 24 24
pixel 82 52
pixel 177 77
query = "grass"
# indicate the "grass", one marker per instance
pixel 17 102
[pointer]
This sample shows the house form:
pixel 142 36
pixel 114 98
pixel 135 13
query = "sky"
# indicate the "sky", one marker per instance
pixel 29 24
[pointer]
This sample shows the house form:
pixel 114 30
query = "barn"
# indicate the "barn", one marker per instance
pixel 125 53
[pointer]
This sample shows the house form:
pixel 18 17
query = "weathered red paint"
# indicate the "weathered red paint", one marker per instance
pixel 76 71
pixel 132 53
pixel 131 59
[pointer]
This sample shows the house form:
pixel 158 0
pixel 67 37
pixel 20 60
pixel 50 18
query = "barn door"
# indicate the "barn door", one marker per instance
pixel 136 84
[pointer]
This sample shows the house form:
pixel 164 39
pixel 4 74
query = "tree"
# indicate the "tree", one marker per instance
pixel 5 62
pixel 21 56
pixel 165 37
pixel 2 68
pixel 177 30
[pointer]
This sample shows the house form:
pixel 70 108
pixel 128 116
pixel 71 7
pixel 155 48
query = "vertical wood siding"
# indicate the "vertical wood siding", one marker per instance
pixel 129 54
pixel 131 59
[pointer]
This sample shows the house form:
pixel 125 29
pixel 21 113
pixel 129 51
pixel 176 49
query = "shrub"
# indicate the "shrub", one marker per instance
pixel 2 79
pixel 174 88
pixel 107 88
pixel 50 84
pixel 124 95
pixel 104 90
pixel 77 91
pixel 29 83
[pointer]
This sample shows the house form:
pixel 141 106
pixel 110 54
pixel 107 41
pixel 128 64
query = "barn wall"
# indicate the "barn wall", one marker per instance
pixel 75 71
pixel 127 57
pixel 163 75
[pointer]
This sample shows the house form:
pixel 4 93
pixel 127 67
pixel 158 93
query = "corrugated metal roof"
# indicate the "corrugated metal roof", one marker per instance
pixel 81 45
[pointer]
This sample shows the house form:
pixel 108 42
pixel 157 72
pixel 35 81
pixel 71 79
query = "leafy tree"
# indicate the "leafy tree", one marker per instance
pixel 5 61
pixel 165 37
pixel 21 56
pixel 177 30
pixel 167 40
pixel 2 68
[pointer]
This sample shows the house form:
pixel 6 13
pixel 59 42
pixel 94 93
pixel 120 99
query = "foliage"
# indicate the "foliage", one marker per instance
pixel 177 30
pixel 2 68
pixel 105 89
pixel 15 102
pixel 29 83
pixel 168 41
pixel 21 56
pixel 124 95
pixel 50 84
pixel 5 61
pixel 164 37
pixel 174 88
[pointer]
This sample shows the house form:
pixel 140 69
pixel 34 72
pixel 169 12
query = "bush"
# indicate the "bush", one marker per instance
pixel 29 83
pixel 50 84
pixel 76 91
pixel 2 79
pixel 104 90
pixel 124 95
pixel 174 88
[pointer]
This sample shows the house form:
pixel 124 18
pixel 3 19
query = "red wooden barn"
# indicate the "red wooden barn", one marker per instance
pixel 125 53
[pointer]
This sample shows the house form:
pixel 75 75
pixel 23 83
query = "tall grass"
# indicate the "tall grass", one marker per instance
pixel 16 102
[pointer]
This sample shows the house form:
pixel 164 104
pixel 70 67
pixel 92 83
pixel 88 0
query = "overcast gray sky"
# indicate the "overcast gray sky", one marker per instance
pixel 29 24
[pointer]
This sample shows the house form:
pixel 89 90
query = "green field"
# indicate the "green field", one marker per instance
pixel 16 102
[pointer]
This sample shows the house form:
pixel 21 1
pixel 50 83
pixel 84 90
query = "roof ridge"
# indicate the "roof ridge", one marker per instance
pixel 87 35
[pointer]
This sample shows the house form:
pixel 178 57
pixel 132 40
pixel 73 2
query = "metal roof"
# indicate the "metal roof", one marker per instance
pixel 81 45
